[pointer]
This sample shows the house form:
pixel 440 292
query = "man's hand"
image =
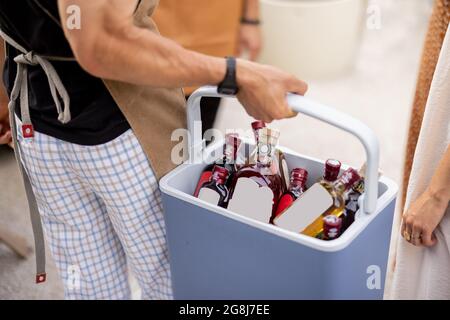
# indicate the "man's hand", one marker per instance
pixel 249 41
pixel 263 89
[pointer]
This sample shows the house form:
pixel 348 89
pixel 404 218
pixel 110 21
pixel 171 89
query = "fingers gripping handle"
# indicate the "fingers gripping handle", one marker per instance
pixel 313 109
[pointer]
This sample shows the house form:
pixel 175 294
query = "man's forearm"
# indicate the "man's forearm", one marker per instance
pixel 143 57
pixel 110 46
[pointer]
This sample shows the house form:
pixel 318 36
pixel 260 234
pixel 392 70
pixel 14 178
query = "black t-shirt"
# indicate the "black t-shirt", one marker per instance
pixel 35 25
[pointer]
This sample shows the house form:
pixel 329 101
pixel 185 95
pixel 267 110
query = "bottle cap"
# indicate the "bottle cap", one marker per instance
pixel 269 136
pixel 331 227
pixel 350 177
pixel 220 170
pixel 219 174
pixel 299 176
pixel 332 169
pixel 258 125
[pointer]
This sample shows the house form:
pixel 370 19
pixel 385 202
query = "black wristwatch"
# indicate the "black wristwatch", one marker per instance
pixel 229 85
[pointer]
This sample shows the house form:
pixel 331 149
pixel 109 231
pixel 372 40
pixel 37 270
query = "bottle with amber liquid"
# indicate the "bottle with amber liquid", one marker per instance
pixel 215 190
pixel 331 173
pixel 297 186
pixel 228 161
pixel 338 192
pixel 263 172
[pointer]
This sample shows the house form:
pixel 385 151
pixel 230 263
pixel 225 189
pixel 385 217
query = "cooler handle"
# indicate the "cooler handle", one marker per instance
pixel 313 109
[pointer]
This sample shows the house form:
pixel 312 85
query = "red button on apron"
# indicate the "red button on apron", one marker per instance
pixel 41 277
pixel 27 131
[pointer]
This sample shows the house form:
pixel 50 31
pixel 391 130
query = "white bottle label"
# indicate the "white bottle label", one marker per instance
pixel 251 200
pixel 310 205
pixel 209 196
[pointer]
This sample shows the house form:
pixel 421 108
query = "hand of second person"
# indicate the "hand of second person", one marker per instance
pixel 263 89
pixel 422 218
pixel 250 40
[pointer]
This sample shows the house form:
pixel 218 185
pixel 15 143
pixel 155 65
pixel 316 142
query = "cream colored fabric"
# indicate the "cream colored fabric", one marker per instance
pixel 418 272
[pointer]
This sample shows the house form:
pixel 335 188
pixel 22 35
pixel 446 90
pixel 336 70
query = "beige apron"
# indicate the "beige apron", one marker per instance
pixel 152 113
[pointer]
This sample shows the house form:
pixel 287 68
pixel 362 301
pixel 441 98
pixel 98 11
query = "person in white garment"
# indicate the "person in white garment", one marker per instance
pixel 421 261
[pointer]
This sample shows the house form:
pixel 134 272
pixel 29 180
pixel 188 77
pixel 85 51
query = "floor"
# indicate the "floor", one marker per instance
pixel 378 91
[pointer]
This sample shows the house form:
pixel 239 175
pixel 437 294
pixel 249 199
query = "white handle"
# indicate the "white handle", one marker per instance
pixel 313 109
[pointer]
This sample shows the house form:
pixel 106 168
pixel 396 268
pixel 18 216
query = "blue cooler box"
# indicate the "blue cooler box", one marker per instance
pixel 218 254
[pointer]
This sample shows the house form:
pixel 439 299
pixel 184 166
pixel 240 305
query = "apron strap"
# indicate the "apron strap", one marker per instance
pixel 20 91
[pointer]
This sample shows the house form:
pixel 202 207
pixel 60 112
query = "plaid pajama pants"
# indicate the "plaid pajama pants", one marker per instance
pixel 101 211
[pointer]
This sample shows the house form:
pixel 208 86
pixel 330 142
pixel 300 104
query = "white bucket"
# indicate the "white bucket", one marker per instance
pixel 312 39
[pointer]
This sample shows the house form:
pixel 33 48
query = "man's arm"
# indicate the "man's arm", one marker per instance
pixel 5 130
pixel 110 46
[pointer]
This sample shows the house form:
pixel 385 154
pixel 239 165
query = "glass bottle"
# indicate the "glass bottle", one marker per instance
pixel 332 228
pixel 331 173
pixel 263 172
pixel 297 186
pixel 352 204
pixel 228 161
pixel 256 127
pixel 338 192
pixel 215 190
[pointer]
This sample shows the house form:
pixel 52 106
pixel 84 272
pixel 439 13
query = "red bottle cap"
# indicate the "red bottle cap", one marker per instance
pixel 258 124
pixel 332 168
pixel 220 174
pixel 331 227
pixel 350 177
pixel 299 176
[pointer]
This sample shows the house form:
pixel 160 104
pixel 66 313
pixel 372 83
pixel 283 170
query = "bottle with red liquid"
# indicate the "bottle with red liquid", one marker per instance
pixel 297 186
pixel 279 158
pixel 331 173
pixel 352 202
pixel 215 190
pixel 256 127
pixel 228 161
pixel 263 172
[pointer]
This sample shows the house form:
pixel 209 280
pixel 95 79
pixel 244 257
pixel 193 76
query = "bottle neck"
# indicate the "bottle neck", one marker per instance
pixel 229 154
pixel 219 178
pixel 264 154
pixel 296 189
pixel 341 187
